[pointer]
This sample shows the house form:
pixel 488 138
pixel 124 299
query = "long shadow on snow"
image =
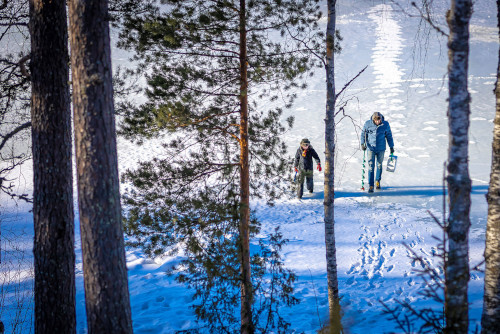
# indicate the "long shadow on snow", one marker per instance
pixel 398 191
pixel 407 191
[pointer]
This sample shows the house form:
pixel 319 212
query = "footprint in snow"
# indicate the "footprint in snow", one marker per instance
pixel 434 251
pixel 380 266
pixel 364 273
pixel 375 285
pixel 354 268
pixel 350 280
pixel 381 246
pixel 419 238
pixel 427 262
pixel 424 251
pixel 363 258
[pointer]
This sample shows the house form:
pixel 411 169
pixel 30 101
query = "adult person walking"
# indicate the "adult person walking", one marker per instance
pixel 373 137
pixel 304 166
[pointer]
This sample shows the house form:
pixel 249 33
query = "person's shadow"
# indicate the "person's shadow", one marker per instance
pixel 420 191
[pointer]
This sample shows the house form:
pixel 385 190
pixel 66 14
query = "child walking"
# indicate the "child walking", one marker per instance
pixel 304 166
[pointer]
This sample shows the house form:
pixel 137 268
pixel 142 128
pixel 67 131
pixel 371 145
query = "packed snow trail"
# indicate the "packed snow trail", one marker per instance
pixel 373 262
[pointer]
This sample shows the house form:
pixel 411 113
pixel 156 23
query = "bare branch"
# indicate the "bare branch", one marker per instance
pixel 350 81
pixel 13 133
pixel 12 24
pixel 426 17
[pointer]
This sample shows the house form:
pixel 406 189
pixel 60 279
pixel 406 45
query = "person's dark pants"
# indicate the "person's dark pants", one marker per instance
pixel 371 157
pixel 308 176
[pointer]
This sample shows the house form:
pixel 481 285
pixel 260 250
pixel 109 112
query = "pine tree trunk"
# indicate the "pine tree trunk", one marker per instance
pixel 331 260
pixel 491 308
pixel 246 279
pixel 53 181
pixel 459 183
pixel 105 272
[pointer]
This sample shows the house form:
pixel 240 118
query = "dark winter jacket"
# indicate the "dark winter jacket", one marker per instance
pixel 305 162
pixel 374 136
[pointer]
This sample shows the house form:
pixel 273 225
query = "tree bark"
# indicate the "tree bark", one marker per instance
pixel 491 307
pixel 459 183
pixel 331 259
pixel 246 279
pixel 53 215
pixel 103 252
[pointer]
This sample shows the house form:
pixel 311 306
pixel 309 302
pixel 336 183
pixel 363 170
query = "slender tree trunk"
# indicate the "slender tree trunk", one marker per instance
pixel 246 279
pixel 53 180
pixel 331 259
pixel 459 183
pixel 490 321
pixel 105 272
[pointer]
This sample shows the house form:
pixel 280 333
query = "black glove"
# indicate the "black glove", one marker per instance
pixel 363 147
pixel 392 150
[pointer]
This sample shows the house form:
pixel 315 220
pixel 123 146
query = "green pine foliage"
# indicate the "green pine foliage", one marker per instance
pixel 188 198
pixel 214 277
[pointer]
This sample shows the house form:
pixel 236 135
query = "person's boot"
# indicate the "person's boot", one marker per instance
pixel 377 184
pixel 371 189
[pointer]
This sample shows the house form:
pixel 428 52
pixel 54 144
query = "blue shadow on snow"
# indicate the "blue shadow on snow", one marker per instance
pixel 406 191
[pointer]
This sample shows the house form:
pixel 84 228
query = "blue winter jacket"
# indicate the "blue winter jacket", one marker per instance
pixel 374 136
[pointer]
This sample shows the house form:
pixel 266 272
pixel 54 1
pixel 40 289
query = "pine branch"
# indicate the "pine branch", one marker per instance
pixel 223 42
pixel 197 54
pixel 250 55
pixel 321 58
pixel 224 130
pixel 271 27
pixel 213 93
pixel 198 121
pixel 207 46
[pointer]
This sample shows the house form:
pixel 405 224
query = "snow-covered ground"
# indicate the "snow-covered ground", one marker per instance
pixel 373 263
